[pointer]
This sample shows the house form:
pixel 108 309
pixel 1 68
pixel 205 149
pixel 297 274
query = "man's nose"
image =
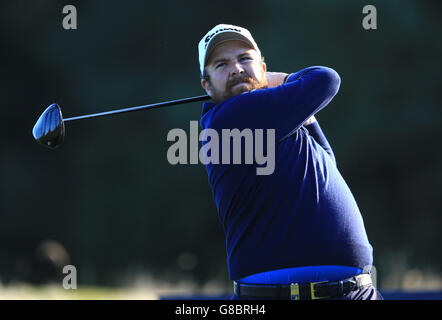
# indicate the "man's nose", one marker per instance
pixel 237 69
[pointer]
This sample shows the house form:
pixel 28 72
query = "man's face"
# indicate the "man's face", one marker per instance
pixel 233 68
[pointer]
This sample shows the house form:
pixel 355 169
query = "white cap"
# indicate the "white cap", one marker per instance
pixel 222 33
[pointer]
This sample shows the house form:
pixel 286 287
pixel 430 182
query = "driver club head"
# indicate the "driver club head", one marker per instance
pixel 49 128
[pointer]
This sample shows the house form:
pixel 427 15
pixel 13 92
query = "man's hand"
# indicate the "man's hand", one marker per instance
pixel 274 79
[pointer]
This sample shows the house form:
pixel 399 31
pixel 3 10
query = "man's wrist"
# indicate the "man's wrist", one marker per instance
pixel 275 79
pixel 310 120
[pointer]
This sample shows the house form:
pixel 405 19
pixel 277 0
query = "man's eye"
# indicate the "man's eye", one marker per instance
pixel 245 58
pixel 220 65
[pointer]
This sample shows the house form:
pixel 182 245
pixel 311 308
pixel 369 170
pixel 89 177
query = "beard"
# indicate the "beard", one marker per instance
pixel 238 85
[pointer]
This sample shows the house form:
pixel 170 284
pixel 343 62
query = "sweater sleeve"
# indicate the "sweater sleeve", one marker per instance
pixel 283 108
pixel 316 132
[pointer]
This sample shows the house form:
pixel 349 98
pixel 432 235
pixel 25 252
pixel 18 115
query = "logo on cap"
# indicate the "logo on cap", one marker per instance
pixel 210 36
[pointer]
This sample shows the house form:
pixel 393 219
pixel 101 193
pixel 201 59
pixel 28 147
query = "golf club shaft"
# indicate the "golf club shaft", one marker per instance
pixel 148 106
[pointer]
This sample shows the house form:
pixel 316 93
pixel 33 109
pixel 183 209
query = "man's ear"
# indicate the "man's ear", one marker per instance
pixel 206 85
pixel 264 67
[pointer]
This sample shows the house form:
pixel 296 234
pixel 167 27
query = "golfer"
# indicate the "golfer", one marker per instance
pixel 296 233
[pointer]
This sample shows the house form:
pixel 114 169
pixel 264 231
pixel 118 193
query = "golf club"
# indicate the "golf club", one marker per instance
pixel 49 128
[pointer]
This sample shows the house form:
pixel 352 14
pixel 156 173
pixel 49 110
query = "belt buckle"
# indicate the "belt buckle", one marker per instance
pixel 312 290
pixel 294 291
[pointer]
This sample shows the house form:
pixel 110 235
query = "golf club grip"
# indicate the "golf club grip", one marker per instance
pixel 148 106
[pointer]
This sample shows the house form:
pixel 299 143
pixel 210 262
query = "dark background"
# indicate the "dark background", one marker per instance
pixel 108 201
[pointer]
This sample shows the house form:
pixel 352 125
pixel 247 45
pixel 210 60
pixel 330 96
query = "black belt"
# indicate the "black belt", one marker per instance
pixel 307 291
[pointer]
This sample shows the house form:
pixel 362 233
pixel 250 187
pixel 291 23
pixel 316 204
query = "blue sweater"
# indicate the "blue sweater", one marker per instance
pixel 303 214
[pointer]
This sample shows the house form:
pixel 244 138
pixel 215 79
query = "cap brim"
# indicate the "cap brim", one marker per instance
pixel 223 37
